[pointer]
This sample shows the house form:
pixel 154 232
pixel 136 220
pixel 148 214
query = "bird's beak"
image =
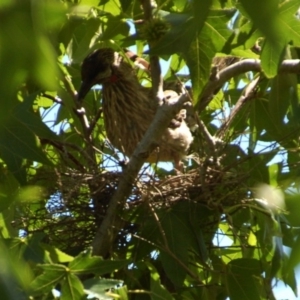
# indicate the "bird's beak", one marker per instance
pixel 86 85
pixel 83 90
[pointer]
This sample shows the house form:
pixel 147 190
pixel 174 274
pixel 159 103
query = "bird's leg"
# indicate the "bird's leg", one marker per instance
pixel 178 165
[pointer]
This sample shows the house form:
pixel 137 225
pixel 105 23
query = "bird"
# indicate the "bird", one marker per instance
pixel 129 107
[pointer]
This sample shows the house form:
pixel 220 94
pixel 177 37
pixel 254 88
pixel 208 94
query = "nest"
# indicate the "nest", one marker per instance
pixel 72 211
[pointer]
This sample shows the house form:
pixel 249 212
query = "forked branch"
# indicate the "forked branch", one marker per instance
pixel 243 66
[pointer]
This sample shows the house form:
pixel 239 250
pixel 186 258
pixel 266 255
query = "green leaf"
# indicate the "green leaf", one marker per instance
pixel 110 7
pixel 15 274
pixel 52 275
pixel 280 25
pixel 176 64
pixel 56 255
pixel 241 279
pixel 23 112
pixel 84 35
pixel 158 292
pixel 271 57
pixel 280 96
pixel 198 59
pixel 8 190
pixel 267 19
pixel 99 287
pixel 203 48
pixel 180 4
pixel 295 254
pixel 201 12
pixel 122 292
pixel 178 37
pixel 289 22
pixel 33 251
pixel 72 288
pixel 257 167
pixel 115 28
pixel 126 4
pixel 278 257
pixel 178 244
pixel 84 263
pixel 18 142
pixel 289 276
pixel 293 207
pixel 91 2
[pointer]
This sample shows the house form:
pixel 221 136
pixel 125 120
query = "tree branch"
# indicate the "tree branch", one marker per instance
pixel 163 117
pixel 80 112
pixel 248 94
pixel 221 77
pixel 243 66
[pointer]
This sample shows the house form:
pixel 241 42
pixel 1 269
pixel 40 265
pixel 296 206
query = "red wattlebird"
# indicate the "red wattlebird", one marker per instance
pixel 129 108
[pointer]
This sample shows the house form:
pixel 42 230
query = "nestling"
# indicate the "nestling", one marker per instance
pixel 129 108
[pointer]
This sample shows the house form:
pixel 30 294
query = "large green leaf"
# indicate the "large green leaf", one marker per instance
pixel 178 37
pixel 52 275
pixel 23 28
pixel 72 288
pixel 257 167
pixel 34 252
pixel 19 134
pixel 56 255
pixel 201 12
pixel 8 190
pixel 83 35
pixel 282 90
pixel 84 263
pixel 271 57
pixel 18 142
pixel 110 7
pixel 295 254
pixel 288 21
pixel 25 115
pixel 267 19
pixel 204 47
pixel 115 28
pixel 15 274
pixel 177 245
pixel 280 25
pixel 241 279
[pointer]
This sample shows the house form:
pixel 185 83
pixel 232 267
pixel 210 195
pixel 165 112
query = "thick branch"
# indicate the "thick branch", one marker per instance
pixel 165 113
pixel 223 76
pixel 243 66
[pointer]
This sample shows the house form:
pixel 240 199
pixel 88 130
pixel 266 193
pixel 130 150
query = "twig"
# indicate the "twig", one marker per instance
pixel 167 249
pixel 248 94
pixel 80 112
pixel 95 119
pixel 64 153
pixel 53 98
pixel 162 232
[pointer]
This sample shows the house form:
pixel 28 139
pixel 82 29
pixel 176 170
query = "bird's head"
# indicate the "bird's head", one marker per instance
pixel 97 68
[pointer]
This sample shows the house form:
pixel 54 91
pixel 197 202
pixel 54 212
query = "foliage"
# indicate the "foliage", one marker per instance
pixel 211 233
